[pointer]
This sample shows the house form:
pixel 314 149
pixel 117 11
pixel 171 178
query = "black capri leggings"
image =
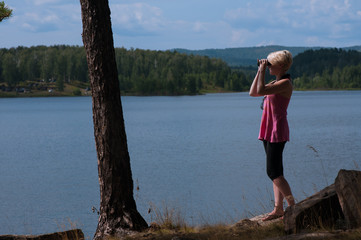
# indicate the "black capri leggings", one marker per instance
pixel 274 153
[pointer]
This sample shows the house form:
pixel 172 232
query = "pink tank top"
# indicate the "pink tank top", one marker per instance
pixel 274 124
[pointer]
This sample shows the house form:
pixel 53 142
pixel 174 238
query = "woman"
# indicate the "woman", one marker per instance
pixel 274 130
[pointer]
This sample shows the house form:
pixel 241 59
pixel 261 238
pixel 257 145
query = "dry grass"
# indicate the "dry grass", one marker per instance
pixel 169 224
pixel 214 232
pixel 222 232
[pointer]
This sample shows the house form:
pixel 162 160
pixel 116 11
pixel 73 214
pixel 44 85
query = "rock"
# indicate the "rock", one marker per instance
pixel 75 234
pixel 348 188
pixel 260 222
pixel 245 223
pixel 254 222
pixel 320 210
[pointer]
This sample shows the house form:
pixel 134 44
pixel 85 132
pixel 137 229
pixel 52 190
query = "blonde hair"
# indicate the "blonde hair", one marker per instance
pixel 284 58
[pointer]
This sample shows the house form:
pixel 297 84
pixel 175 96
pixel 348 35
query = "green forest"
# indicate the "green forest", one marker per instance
pixel 327 69
pixel 146 72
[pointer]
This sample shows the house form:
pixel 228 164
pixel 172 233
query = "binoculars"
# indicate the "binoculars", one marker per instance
pixel 268 64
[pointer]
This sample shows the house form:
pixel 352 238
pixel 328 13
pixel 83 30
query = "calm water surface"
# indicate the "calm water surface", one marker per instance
pixel 198 155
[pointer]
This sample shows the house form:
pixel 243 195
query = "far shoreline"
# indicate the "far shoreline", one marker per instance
pixel 84 93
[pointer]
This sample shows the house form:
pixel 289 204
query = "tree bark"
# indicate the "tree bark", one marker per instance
pixel 118 212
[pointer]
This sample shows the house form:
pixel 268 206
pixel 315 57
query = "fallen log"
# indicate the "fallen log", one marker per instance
pixel 348 188
pixel 321 210
pixel 338 206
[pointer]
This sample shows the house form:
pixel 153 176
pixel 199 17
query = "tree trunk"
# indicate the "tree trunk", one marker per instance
pixel 118 211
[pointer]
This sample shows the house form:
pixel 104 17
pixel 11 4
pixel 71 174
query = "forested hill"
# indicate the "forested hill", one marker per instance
pixel 141 72
pixel 327 69
pixel 146 72
pixel 246 56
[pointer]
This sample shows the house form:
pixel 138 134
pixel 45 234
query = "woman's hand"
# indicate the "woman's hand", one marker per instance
pixel 262 64
pixel 258 82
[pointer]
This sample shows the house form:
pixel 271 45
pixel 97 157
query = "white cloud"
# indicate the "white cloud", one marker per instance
pixel 326 19
pixel 137 16
pixel 49 18
pixel 69 13
pixel 29 27
pixel 240 36
pixel 275 22
pixel 246 12
pixel 312 40
pixel 45 21
pixel 40 18
pixel 42 2
pixel 200 24
pixel 199 27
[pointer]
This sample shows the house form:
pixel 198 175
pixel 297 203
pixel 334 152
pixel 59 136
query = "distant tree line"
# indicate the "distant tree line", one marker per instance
pixel 243 56
pixel 43 64
pixel 146 72
pixel 171 73
pixel 327 69
pixel 141 72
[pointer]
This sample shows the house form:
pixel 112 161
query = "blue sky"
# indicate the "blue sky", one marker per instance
pixel 191 24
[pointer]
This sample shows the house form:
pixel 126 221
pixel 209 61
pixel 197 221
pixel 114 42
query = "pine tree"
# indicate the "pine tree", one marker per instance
pixel 5 12
pixel 118 212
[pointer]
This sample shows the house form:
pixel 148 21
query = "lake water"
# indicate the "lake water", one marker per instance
pixel 197 155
